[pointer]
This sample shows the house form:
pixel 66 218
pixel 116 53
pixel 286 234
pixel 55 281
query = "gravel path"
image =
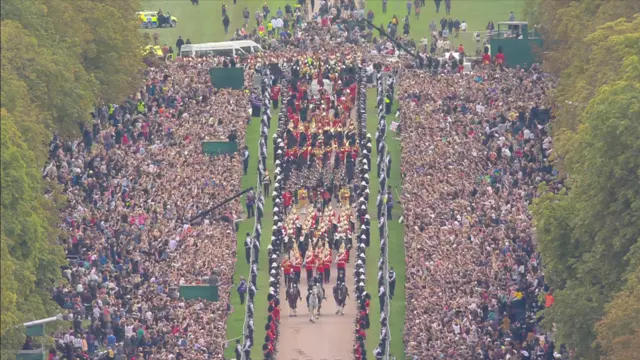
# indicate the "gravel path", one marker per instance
pixel 330 337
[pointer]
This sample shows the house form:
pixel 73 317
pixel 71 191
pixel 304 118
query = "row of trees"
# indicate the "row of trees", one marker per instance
pixel 589 235
pixel 59 58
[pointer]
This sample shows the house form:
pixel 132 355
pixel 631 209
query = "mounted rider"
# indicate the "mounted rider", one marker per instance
pixel 317 280
pixel 340 295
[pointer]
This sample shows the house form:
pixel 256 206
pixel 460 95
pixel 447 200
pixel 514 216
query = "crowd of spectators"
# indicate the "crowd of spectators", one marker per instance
pixel 475 149
pixel 134 182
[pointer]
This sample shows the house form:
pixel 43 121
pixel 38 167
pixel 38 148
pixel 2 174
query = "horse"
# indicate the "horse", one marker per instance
pixel 293 294
pixel 340 293
pixel 313 302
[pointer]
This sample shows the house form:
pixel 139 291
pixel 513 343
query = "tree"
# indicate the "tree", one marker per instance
pixel 619 330
pixel 31 256
pixel 565 24
pixel 59 59
pixel 588 236
pixel 72 53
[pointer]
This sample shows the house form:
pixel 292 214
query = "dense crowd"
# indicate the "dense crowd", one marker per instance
pixel 475 148
pixel 135 182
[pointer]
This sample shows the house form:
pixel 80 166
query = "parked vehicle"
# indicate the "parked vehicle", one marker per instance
pixel 153 20
pixel 225 48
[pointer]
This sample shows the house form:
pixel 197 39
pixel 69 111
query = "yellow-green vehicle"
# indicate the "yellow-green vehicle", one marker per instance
pixel 153 49
pixel 153 20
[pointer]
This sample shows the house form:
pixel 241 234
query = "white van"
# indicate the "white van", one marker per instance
pixel 224 48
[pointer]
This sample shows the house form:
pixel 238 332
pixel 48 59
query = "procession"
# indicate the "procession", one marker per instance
pixel 313 186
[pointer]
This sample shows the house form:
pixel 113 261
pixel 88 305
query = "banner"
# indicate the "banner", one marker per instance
pixel 204 292
pixel 227 78
pixel 219 147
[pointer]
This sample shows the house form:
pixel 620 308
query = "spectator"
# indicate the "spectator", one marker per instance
pixel 469 240
pixel 138 183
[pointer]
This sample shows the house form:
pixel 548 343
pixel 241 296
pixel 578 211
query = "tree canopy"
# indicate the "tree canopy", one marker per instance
pixel 588 234
pixel 70 53
pixel 59 59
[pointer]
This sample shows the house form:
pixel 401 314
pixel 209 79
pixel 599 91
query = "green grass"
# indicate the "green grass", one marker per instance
pixel 476 13
pixel 204 23
pixel 235 321
pixel 396 238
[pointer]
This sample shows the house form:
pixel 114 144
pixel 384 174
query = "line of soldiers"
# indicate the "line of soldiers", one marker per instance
pixel 274 249
pixel 384 85
pixel 252 247
pixel 312 249
pixel 364 234
pixel 319 132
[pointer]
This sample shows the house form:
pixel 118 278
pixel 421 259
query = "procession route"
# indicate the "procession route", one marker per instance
pixel 330 337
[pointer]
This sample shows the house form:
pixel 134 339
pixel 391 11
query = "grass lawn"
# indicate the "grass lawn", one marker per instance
pixel 203 23
pixel 476 13
pixel 235 320
pixel 396 238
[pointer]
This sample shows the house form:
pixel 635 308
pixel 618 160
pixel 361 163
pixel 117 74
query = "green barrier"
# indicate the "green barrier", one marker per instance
pixel 219 147
pixel 35 330
pixel 205 292
pixel 31 355
pixel 227 78
pixel 518 52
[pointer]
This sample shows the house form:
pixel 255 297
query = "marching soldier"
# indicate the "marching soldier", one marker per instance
pixel 309 263
pixel 320 265
pixel 341 263
pixel 286 268
pixel 297 266
pixel 327 264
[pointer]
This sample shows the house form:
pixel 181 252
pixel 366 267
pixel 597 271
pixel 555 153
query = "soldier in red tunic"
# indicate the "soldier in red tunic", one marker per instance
pixel 309 264
pixel 275 95
pixel 320 266
pixel 297 267
pixel 286 268
pixel 327 265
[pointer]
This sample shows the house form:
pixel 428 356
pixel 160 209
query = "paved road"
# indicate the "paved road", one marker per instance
pixel 330 337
